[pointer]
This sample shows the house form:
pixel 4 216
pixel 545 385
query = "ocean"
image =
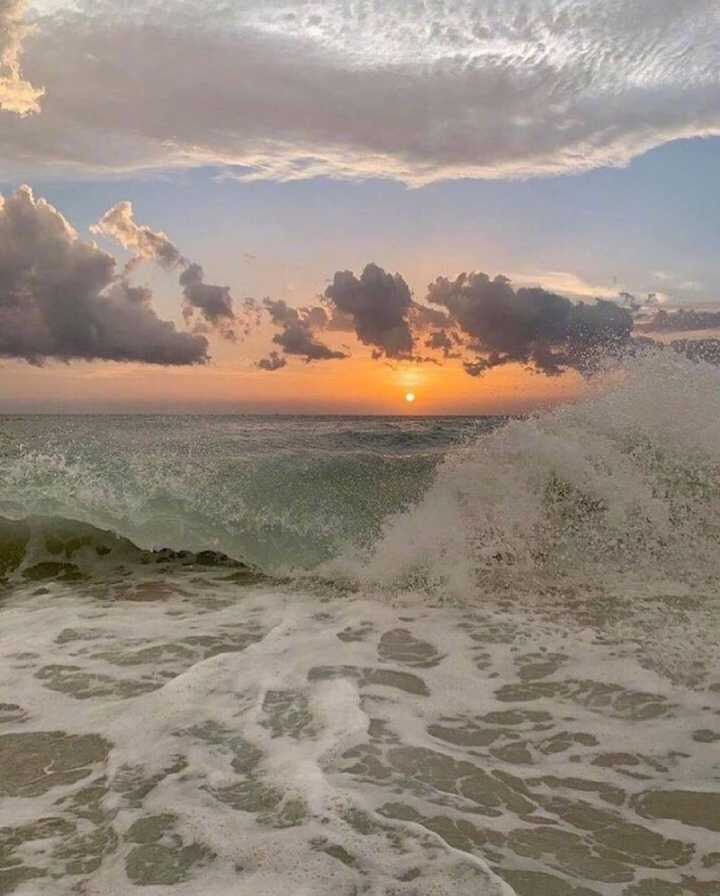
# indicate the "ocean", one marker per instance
pixel 394 656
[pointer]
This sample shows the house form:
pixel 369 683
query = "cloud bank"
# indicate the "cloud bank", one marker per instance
pixel 377 308
pixel 529 326
pixel 482 321
pixel 62 298
pixel 16 95
pixel 416 91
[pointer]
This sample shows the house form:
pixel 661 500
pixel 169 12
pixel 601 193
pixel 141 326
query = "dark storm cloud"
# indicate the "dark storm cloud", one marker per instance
pixel 379 305
pixel 297 335
pixel 213 303
pixel 62 298
pixel 528 326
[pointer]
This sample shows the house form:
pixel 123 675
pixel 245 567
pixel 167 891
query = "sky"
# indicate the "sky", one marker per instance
pixel 323 207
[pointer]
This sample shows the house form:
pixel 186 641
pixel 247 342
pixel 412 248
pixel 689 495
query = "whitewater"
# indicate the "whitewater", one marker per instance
pixel 333 656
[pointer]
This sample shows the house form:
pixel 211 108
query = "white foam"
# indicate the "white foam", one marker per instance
pixel 633 475
pixel 288 713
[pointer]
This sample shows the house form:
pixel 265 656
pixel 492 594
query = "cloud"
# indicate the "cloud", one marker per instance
pixel 119 224
pixel 528 326
pixel 339 322
pixel 445 342
pixel 297 336
pixel 273 362
pixel 681 321
pixel 416 91
pixel 566 283
pixel 379 305
pixel 423 318
pixel 62 298
pixel 16 95
pixel 213 303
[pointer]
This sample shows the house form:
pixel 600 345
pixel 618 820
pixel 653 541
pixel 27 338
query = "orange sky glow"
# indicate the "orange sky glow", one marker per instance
pixel 358 385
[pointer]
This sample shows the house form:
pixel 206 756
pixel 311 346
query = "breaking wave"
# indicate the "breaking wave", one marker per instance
pixel 621 488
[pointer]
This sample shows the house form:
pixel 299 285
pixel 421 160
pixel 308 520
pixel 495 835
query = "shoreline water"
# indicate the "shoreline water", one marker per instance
pixel 182 731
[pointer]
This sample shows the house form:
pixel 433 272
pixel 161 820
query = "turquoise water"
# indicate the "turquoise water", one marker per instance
pixel 274 490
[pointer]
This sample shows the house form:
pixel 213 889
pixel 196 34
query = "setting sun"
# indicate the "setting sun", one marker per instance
pixel 410 397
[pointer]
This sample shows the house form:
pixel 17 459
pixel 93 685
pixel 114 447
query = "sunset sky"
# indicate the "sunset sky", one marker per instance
pixel 572 145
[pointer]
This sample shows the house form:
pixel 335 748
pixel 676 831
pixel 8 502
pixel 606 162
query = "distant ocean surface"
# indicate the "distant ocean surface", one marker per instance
pixel 395 656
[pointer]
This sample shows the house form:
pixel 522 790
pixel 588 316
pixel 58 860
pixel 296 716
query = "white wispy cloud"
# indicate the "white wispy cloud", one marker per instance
pixel 567 283
pixel 410 89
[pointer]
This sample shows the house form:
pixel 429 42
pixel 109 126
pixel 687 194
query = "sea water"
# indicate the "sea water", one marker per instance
pixel 456 655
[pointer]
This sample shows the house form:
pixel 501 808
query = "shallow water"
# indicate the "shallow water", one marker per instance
pixel 167 732
pixel 475 657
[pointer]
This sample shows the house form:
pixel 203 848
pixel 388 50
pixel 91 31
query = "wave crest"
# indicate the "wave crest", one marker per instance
pixel 621 487
pixel 40 548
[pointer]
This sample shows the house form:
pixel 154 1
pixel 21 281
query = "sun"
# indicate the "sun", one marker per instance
pixel 410 397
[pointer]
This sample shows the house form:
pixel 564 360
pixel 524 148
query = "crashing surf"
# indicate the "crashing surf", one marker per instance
pixel 493 671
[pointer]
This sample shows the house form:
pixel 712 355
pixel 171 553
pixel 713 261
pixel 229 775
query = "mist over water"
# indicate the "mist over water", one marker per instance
pixel 469 656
